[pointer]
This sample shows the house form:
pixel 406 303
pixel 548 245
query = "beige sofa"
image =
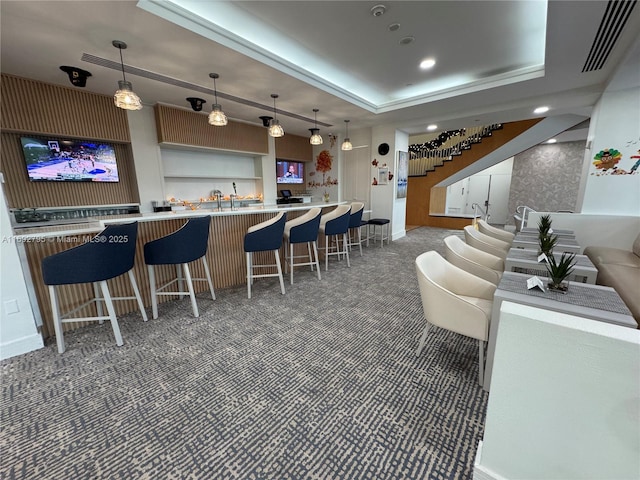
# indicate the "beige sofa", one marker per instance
pixel 620 269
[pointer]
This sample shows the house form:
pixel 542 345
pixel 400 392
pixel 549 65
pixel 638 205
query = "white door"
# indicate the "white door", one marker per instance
pixel 499 199
pixel 477 192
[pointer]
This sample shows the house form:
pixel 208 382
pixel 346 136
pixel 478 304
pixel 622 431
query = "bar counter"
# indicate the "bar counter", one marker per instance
pixel 225 255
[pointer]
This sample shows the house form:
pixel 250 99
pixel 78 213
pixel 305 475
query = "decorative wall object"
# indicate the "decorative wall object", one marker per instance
pixel 606 162
pixel 402 174
pixel 383 176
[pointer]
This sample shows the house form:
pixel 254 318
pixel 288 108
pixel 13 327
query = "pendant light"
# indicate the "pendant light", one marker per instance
pixel 275 129
pixel 315 139
pixel 217 116
pixel 346 145
pixel 125 97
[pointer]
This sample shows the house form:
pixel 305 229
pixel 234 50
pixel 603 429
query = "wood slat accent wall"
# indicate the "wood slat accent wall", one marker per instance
pixel 182 127
pixel 294 147
pixel 22 193
pixel 30 106
pixel 419 188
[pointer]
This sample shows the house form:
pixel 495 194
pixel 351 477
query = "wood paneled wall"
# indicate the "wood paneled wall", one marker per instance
pixel 294 147
pixel 42 110
pixel 182 127
pixel 419 188
pixel 30 106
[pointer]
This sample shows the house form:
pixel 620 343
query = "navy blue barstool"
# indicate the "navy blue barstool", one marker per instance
pixel 109 254
pixel 303 229
pixel 185 245
pixel 355 225
pixel 333 225
pixel 264 237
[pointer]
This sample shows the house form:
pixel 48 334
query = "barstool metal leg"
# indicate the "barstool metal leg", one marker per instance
pixel 346 248
pixel 290 260
pixel 98 297
pixel 208 275
pixel 112 313
pixel 249 275
pixel 136 292
pixel 57 323
pixel 315 252
pixel 277 254
pixel 152 291
pixel 192 295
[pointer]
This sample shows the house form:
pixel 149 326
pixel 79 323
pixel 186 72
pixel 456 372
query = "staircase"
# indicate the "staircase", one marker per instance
pixel 425 157
pixel 423 200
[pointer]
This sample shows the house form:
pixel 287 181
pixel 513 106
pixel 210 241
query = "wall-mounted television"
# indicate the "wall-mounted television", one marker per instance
pixel 289 172
pixel 61 160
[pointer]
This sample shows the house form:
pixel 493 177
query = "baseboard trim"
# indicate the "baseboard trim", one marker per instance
pixel 21 346
pixel 480 472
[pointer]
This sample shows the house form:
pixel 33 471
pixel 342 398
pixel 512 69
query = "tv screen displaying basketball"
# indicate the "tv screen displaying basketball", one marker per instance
pixel 69 160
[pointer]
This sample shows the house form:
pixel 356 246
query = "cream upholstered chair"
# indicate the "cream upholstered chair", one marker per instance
pixel 335 224
pixel 479 263
pixel 498 233
pixel 303 229
pixel 455 300
pixel 485 242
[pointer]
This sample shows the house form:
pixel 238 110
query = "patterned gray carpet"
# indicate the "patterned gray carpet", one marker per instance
pixel 322 383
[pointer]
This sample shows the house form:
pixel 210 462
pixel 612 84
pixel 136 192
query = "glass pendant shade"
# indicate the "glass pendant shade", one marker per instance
pixel 315 138
pixel 125 97
pixel 217 117
pixel 346 145
pixel 275 129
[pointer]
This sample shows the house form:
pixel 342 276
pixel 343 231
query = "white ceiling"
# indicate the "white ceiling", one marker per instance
pixel 496 60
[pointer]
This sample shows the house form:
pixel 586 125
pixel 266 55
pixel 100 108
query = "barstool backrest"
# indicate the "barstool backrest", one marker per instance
pixel 266 235
pixel 185 245
pixel 304 228
pixel 107 255
pixel 357 208
pixel 336 221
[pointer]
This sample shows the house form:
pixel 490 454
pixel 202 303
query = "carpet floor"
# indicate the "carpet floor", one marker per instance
pixel 320 383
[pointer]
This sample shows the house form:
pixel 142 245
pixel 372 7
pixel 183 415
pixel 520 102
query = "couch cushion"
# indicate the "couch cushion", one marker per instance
pixel 612 256
pixel 625 281
pixel 636 246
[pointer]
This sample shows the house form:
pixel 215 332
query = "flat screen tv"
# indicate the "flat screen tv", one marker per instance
pixel 289 172
pixel 60 160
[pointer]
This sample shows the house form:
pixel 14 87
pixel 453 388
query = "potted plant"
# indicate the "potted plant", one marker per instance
pixel 544 225
pixel 559 270
pixel 547 244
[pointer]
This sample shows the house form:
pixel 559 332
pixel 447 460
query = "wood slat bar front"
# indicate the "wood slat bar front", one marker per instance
pixel 225 258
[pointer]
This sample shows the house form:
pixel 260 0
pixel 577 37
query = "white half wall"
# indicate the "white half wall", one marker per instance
pixel 564 401
pixel 18 331
pixel 617 231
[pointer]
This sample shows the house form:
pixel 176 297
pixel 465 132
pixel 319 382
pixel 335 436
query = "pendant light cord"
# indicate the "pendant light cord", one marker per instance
pixel 122 65
pixel 215 90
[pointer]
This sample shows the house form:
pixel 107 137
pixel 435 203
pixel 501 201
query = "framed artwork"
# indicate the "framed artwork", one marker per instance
pixel 402 173
pixel 383 175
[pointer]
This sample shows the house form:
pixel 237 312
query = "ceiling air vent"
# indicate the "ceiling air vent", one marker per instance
pixel 612 24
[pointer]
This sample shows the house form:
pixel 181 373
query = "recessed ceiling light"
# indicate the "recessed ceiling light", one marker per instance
pixel 427 63
pixel 432 127
pixel 393 27
pixel 552 140
pixel 407 40
pixel 541 110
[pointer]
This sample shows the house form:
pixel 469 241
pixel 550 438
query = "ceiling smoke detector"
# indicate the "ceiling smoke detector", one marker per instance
pixel 378 10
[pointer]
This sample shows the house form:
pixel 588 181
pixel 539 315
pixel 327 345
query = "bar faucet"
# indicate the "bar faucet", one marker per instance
pixel 218 195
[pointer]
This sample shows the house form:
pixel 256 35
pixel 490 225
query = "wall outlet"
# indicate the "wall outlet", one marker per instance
pixel 11 306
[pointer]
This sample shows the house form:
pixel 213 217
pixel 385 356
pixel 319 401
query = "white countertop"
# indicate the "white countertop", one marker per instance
pixel 41 233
